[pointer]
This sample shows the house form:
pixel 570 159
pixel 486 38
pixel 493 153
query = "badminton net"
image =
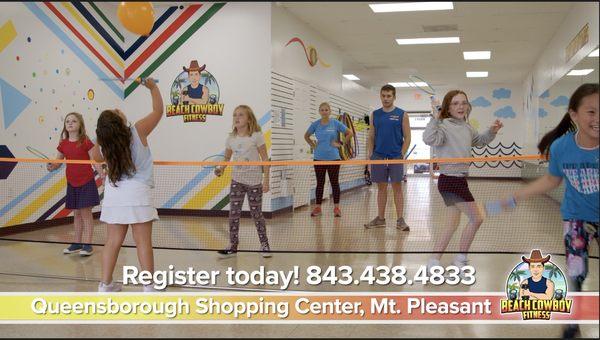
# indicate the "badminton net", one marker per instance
pixel 193 205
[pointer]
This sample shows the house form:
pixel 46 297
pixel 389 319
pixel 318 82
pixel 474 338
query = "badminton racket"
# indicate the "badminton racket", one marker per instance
pixel 409 152
pixel 217 168
pixel 36 152
pixel 40 154
pixel 139 79
pixel 424 86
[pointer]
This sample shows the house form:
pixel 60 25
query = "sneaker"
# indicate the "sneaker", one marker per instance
pixel 316 211
pixel 227 253
pixel 87 250
pixel 401 224
pixel 265 251
pixel 150 289
pixel 112 287
pixel 432 263
pixel 337 212
pixel 376 222
pixel 73 248
pixel 571 332
pixel 460 261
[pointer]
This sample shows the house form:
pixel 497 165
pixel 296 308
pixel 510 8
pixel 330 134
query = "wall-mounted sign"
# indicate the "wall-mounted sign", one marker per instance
pixel 578 42
pixel 194 94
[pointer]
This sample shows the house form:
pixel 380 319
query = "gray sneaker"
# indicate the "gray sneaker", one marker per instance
pixel 110 288
pixel 401 224
pixel 375 223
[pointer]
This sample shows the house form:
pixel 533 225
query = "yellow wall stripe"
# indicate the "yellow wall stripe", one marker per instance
pixel 93 33
pixel 202 197
pixel 39 202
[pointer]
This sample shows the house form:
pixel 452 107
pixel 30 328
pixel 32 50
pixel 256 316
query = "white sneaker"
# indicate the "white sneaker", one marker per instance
pixel 460 261
pixel 432 263
pixel 266 251
pixel 150 289
pixel 108 288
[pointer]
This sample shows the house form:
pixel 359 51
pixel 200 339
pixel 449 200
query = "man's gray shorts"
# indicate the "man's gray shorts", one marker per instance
pixel 384 173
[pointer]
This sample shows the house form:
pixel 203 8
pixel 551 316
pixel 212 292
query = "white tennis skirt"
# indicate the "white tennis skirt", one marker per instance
pixel 130 202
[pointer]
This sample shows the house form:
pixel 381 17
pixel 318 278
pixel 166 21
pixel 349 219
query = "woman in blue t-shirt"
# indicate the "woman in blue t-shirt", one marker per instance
pixel 573 150
pixel 326 149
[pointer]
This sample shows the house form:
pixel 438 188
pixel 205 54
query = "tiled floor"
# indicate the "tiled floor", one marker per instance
pixel 41 266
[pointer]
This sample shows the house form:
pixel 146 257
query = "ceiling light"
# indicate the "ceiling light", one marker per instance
pixel 583 72
pixel 400 84
pixel 477 74
pixel 411 7
pixel 421 41
pixel 351 77
pixel 477 55
pixel 594 53
pixel 405 84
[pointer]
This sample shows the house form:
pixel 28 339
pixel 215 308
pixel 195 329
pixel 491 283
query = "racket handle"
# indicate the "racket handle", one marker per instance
pixel 142 80
pixel 500 206
pixel 437 107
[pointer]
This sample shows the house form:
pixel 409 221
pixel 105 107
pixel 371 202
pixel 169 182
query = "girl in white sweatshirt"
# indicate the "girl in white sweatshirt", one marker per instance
pixel 451 136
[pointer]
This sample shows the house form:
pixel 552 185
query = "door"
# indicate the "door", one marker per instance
pixel 418 149
pixel 302 176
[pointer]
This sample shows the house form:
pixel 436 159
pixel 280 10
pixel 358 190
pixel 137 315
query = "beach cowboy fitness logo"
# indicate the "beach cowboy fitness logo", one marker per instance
pixel 535 288
pixel 194 94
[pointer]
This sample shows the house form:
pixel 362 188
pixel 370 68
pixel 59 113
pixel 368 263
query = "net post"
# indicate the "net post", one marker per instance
pixel 431 169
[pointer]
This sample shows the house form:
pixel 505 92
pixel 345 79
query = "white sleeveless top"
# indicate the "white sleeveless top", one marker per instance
pixel 133 190
pixel 142 158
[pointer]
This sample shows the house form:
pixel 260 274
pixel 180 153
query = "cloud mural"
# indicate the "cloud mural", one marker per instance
pixel 505 112
pixel 501 93
pixel 542 113
pixel 481 102
pixel 560 101
pixel 545 95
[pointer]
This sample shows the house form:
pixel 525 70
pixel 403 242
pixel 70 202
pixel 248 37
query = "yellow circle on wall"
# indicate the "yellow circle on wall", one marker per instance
pixel 474 123
pixel 90 94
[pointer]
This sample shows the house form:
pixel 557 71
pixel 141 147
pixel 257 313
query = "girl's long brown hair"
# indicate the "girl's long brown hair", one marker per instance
pixel 114 137
pixel 82 135
pixel 567 124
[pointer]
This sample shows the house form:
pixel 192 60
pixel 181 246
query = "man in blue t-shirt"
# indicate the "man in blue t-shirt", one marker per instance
pixel 389 138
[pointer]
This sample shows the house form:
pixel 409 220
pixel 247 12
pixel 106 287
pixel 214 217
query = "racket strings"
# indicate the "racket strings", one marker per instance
pixel 36 152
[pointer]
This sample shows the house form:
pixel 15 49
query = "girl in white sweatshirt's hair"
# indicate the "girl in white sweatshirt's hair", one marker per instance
pixel 451 136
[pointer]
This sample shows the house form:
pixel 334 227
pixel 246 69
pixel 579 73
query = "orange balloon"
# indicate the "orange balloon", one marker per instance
pixel 136 17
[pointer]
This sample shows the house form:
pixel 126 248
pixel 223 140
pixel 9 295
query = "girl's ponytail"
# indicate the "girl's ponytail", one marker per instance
pixel 567 124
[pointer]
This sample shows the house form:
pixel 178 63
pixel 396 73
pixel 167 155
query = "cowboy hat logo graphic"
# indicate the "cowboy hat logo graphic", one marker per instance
pixel 195 94
pixel 536 287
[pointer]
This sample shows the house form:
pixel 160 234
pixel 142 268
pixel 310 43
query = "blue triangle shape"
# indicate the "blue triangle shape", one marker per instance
pixel 13 102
